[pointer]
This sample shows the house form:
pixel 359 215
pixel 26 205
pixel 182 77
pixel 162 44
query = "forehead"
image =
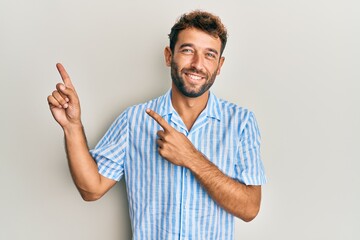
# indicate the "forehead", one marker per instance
pixel 198 38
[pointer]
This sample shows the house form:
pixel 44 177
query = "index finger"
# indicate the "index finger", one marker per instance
pixel 162 122
pixel 65 76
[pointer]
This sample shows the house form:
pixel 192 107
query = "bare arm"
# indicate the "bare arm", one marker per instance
pixel 238 199
pixel 65 108
pixel 83 168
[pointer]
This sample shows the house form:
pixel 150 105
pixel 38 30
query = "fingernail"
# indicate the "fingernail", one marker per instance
pixel 62 87
pixel 66 105
pixel 67 99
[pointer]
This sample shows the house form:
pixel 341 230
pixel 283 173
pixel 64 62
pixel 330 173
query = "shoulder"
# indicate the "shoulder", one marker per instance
pixel 234 110
pixel 238 115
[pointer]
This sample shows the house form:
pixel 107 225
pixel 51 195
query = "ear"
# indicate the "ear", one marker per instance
pixel 168 56
pixel 221 62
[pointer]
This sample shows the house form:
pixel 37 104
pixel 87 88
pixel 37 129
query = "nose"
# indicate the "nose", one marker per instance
pixel 197 61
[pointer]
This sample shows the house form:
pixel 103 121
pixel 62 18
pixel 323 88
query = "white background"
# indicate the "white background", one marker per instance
pixel 294 63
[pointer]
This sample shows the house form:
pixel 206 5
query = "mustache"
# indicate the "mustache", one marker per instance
pixel 193 70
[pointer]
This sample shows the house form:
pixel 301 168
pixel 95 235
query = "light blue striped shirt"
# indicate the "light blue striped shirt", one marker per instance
pixel 166 201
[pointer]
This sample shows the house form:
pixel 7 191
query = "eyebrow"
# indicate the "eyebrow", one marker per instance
pixel 212 50
pixel 186 45
pixel 192 45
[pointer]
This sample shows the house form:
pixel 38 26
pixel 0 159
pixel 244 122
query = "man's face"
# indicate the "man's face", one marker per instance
pixel 195 62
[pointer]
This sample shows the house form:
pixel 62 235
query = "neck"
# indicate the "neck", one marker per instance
pixel 188 108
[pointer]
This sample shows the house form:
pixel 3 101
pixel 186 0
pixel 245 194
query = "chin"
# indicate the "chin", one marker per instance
pixel 192 94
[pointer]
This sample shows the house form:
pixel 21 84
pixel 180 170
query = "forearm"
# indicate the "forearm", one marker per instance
pixel 82 166
pixel 237 198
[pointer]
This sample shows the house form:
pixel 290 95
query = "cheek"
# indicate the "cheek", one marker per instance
pixel 183 60
pixel 212 68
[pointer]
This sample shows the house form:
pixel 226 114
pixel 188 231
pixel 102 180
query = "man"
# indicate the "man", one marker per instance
pixel 190 160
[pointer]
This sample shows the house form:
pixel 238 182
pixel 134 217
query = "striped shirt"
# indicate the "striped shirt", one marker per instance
pixel 165 200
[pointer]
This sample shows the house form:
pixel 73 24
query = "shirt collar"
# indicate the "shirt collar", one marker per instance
pixel 212 109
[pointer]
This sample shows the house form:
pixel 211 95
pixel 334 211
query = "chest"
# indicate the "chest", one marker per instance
pixel 218 142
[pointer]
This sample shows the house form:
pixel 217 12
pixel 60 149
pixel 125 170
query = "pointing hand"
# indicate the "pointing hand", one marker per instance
pixel 64 102
pixel 173 145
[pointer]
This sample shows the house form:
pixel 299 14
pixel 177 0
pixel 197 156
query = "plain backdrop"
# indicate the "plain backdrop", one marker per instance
pixel 294 63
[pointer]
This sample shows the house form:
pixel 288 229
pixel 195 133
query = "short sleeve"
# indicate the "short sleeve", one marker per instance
pixel 249 167
pixel 110 152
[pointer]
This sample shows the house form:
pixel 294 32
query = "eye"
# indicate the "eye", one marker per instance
pixel 210 55
pixel 187 50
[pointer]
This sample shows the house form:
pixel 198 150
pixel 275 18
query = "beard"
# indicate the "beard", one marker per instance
pixel 189 91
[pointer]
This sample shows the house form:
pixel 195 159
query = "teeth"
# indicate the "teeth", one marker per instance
pixel 194 77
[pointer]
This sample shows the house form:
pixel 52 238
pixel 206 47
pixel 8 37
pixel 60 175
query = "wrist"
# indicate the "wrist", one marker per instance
pixel 198 161
pixel 73 128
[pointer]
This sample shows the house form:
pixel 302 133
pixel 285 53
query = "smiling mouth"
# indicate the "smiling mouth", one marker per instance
pixel 194 77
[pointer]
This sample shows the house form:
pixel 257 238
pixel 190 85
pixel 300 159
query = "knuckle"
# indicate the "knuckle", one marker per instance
pixel 69 90
pixel 162 152
pixel 58 85
pixel 52 101
pixel 49 100
pixel 58 97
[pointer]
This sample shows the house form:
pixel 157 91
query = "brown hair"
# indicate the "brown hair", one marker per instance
pixel 201 20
